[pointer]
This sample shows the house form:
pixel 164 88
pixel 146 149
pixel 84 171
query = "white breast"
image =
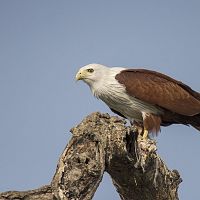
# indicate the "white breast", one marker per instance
pixel 114 95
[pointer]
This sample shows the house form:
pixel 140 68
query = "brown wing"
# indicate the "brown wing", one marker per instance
pixel 161 90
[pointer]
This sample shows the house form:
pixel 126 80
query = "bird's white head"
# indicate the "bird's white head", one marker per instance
pixel 101 79
pixel 92 73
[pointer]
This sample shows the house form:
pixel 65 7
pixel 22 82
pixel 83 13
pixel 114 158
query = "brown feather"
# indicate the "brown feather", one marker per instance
pixel 160 90
pixel 173 118
pixel 195 121
pixel 152 123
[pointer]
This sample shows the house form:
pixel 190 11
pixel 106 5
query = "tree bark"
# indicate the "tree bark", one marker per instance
pixel 102 143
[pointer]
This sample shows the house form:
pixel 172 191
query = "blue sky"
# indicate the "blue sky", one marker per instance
pixel 44 43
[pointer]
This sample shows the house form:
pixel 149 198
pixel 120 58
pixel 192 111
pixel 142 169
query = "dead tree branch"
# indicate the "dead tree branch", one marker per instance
pixel 103 143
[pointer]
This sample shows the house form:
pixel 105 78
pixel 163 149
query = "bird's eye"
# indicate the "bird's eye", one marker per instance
pixel 90 70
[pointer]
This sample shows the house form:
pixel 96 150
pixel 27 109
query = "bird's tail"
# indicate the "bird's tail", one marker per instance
pixel 195 121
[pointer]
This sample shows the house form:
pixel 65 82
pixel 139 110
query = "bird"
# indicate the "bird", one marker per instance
pixel 147 98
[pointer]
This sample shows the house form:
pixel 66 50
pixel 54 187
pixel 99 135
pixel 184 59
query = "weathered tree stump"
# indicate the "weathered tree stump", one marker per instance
pixel 102 143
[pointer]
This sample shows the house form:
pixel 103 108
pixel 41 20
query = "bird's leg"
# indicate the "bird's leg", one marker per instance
pixel 145 117
pixel 145 134
pixel 142 131
pixel 140 142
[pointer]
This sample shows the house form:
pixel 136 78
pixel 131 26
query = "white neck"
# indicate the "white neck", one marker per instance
pixel 107 83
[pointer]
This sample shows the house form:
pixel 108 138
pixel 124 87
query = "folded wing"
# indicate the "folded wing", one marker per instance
pixel 160 90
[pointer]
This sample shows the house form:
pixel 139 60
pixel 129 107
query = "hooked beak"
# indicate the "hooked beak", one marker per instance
pixel 80 75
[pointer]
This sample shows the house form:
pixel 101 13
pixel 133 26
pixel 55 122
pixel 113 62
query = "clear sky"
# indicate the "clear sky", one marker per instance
pixel 44 43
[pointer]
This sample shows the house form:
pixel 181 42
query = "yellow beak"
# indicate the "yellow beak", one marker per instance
pixel 80 75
